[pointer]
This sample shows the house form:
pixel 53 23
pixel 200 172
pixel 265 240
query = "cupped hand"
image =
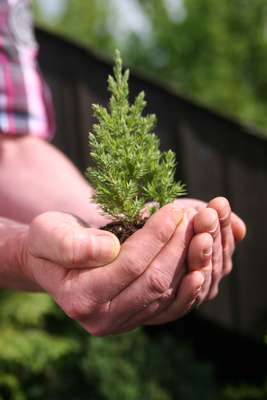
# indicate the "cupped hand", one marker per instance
pixel 225 228
pixel 172 264
pixel 133 286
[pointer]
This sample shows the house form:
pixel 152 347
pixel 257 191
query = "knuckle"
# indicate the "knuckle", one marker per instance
pixel 41 219
pixel 167 297
pixel 133 266
pixel 163 233
pixel 67 248
pixel 35 223
pixel 74 249
pixel 158 281
pixel 35 226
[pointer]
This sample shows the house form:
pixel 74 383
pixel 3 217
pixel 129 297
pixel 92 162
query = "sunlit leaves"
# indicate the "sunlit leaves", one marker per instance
pixel 130 169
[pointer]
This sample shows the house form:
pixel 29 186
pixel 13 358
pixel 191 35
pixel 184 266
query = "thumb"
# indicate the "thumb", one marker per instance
pixel 59 238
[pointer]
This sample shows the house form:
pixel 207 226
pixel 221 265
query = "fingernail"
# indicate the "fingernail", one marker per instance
pixel 224 213
pixel 105 249
pixel 214 226
pixel 208 251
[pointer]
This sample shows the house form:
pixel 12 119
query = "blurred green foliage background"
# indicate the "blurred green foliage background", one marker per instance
pixel 46 355
pixel 212 51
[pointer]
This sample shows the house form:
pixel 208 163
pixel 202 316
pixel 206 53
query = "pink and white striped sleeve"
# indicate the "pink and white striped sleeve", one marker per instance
pixel 25 100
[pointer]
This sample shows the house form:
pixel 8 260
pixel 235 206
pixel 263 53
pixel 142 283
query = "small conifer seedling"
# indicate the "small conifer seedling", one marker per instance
pixel 131 173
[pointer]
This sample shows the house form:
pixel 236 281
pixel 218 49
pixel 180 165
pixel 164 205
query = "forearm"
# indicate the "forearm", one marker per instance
pixel 13 254
pixel 36 177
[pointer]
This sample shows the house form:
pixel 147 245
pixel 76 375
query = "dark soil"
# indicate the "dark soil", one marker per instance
pixel 123 230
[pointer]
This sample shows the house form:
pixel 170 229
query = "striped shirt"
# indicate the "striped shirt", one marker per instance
pixel 25 100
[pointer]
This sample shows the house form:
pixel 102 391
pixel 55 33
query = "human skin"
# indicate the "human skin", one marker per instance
pixel 55 254
pixel 174 263
pixel 36 177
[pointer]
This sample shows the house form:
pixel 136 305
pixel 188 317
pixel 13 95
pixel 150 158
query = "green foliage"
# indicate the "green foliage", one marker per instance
pixel 130 169
pixel 30 352
pixel 245 391
pixel 45 355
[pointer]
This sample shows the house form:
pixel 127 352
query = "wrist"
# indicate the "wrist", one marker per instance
pixel 15 271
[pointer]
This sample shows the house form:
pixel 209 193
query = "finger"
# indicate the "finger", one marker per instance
pixel 185 299
pixel 207 221
pixel 238 228
pixel 199 258
pixel 192 203
pixel 222 206
pixel 156 288
pixel 60 238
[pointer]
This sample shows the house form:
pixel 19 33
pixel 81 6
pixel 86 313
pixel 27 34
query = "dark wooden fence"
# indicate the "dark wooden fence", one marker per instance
pixel 217 157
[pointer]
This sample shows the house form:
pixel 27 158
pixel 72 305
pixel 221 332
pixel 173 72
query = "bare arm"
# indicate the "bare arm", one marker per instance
pixel 36 177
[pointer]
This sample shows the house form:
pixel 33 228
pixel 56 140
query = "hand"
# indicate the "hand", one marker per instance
pixel 131 290
pixel 237 225
pixel 210 251
pixel 226 229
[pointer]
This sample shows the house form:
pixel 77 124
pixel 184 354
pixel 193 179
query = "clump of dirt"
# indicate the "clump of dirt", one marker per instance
pixel 123 230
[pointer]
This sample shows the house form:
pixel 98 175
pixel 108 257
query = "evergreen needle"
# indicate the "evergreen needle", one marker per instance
pixel 130 171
